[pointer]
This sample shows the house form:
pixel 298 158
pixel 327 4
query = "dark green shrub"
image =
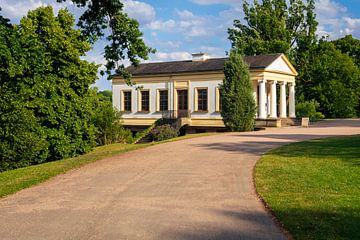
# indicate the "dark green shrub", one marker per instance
pixel 237 100
pixel 164 132
pixel 107 120
pixel 308 109
pixel 139 135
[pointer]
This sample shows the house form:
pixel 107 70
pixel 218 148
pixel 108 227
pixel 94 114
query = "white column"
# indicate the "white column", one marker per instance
pixel 292 100
pixel 262 99
pixel 255 90
pixel 273 102
pixel 283 100
pixel 268 102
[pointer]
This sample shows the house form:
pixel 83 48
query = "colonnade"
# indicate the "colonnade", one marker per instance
pixel 265 93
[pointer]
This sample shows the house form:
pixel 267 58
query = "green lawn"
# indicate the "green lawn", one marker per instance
pixel 15 180
pixel 313 187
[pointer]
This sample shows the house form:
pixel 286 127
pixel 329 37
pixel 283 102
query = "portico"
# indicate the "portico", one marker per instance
pixel 266 97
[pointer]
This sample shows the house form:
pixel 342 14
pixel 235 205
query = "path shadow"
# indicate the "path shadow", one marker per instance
pixel 256 148
pixel 292 137
pixel 301 223
pixel 249 225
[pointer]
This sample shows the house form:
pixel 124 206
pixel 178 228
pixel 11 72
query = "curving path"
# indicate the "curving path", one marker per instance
pixel 199 188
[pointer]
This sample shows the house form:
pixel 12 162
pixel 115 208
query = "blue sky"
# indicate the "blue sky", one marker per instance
pixel 178 28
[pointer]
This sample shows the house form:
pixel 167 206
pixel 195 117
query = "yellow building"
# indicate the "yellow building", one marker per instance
pixel 189 90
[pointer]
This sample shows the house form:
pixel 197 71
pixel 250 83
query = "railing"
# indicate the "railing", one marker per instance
pixel 176 114
pixel 183 113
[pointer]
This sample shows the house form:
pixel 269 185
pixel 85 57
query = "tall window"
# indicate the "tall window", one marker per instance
pixel 163 100
pixel 145 101
pixel 202 99
pixel 127 101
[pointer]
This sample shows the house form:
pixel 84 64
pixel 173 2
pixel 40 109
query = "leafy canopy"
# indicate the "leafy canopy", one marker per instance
pixel 124 38
pixel 334 81
pixel 273 26
pixel 327 73
pixel 46 104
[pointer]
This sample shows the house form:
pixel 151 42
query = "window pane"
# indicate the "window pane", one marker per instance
pixel 202 99
pixel 163 100
pixel 145 106
pixel 127 101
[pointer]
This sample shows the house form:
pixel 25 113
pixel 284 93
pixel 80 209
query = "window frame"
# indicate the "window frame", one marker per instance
pixel 159 100
pixel 141 100
pixel 123 101
pixel 197 99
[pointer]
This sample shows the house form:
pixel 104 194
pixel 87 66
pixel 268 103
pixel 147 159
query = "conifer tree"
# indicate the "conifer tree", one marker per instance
pixel 237 100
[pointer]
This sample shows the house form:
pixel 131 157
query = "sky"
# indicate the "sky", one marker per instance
pixel 177 28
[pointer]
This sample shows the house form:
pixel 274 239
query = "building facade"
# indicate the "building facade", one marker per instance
pixel 190 90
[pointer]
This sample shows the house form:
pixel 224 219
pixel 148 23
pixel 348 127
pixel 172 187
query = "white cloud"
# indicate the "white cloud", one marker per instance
pixel 189 24
pixel 167 26
pixel 170 56
pixel 17 9
pixel 335 20
pixel 144 13
pixel 212 2
pixel 214 52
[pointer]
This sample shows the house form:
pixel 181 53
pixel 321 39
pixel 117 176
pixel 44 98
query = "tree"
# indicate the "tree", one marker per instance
pixel 106 94
pixel 46 104
pixel 273 26
pixel 334 81
pixel 326 74
pixel 4 21
pixel 349 46
pixel 125 39
pixel 237 100
pixel 107 121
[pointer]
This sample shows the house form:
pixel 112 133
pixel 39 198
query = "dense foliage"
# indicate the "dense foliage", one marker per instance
pixel 45 100
pixel 309 109
pixel 106 18
pixel 106 95
pixel 47 109
pixel 273 26
pixel 237 100
pixel 328 71
pixel 349 46
pixel 107 121
pixel 164 132
pixel 334 82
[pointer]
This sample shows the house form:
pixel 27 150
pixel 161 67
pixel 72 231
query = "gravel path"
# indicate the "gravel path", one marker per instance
pixel 194 189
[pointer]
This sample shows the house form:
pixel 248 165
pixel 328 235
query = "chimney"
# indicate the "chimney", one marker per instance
pixel 199 57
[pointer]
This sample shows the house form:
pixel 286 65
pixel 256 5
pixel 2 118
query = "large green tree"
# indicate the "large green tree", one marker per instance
pixel 327 73
pixel 274 26
pixel 106 18
pixel 349 46
pixel 46 104
pixel 334 81
pixel 237 100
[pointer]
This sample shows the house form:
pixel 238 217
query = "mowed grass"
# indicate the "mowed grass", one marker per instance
pixel 15 180
pixel 313 187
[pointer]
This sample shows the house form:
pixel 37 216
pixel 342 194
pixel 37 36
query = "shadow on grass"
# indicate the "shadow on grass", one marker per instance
pixel 346 149
pixel 305 224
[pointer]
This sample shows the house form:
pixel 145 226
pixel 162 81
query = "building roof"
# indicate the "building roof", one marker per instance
pixel 212 64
